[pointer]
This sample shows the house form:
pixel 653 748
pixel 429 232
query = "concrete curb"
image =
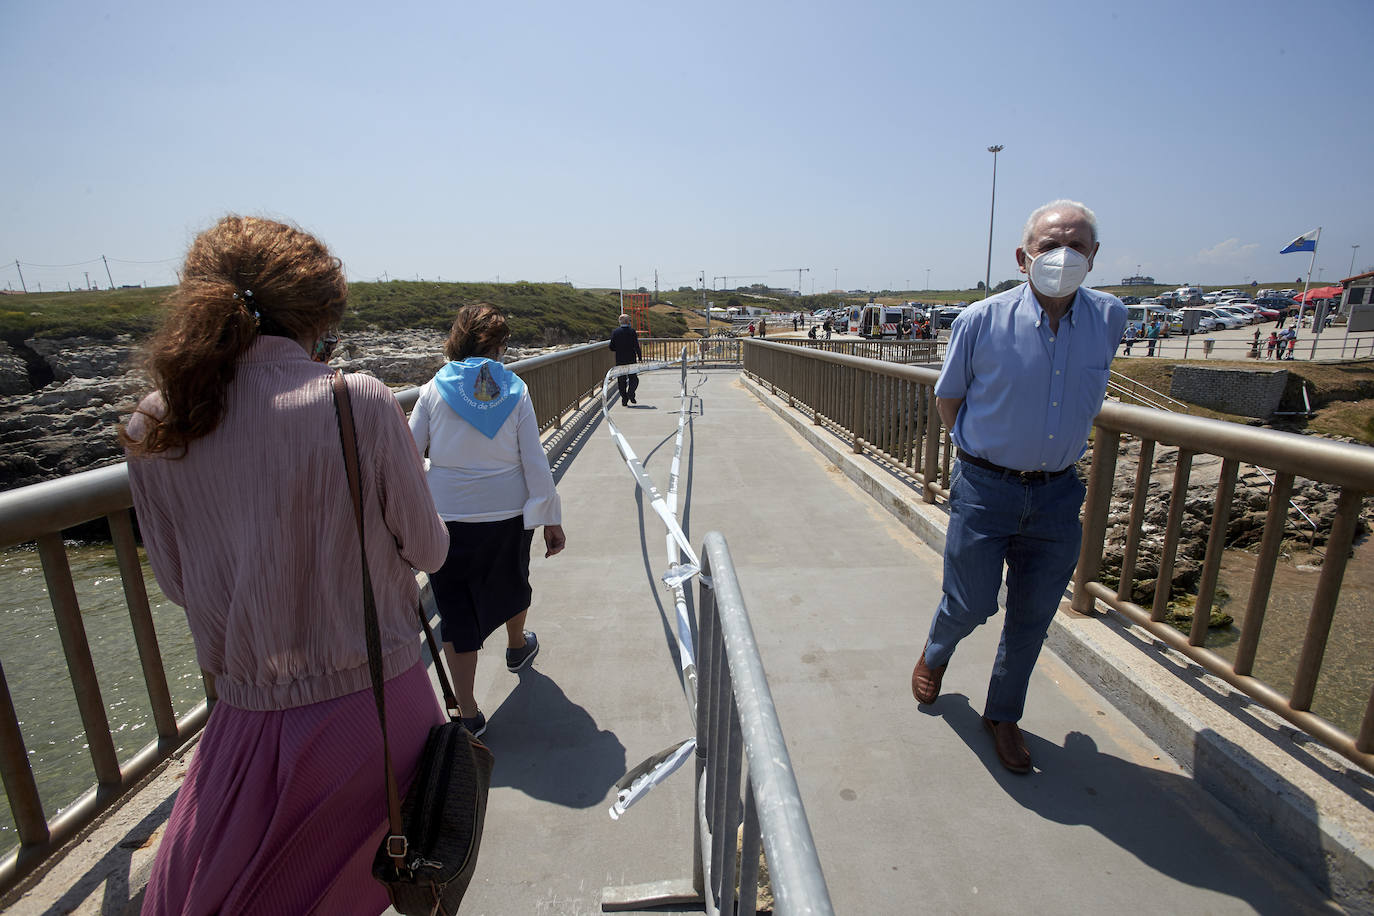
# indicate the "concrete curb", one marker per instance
pixel 1306 803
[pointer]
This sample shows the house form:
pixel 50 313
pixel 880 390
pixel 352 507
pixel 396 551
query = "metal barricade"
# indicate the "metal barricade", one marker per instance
pixel 744 773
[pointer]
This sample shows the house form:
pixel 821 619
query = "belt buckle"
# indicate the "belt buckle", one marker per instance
pixel 1030 476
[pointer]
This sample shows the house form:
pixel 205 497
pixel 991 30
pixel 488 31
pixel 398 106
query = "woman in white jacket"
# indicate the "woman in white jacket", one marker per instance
pixel 492 486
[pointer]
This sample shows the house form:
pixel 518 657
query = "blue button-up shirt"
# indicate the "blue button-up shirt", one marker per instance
pixel 1030 393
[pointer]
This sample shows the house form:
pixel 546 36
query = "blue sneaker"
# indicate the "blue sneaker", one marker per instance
pixel 475 725
pixel 516 659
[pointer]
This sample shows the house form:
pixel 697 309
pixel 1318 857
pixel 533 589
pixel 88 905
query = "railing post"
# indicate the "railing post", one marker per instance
pixel 1095 510
pixel 931 470
pixel 856 410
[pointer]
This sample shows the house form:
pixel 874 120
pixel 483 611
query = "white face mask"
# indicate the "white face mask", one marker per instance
pixel 1058 273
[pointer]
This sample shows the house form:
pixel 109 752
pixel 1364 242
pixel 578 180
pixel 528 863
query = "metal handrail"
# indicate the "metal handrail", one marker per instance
pixel 734 704
pixel 1132 387
pixel 875 404
pixel 559 383
pixel 729 700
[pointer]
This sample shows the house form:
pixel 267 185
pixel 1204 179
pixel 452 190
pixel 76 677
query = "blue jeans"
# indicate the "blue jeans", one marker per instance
pixel 1033 529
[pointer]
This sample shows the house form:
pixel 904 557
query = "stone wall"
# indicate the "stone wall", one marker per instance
pixel 1244 392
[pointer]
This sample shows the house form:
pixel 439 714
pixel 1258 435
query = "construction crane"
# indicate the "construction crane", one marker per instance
pixel 799 270
pixel 736 277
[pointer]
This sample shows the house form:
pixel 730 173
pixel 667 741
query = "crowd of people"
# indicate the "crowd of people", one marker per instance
pixel 236 466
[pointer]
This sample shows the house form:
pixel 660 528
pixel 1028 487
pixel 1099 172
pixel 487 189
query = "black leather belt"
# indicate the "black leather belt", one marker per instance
pixel 1023 476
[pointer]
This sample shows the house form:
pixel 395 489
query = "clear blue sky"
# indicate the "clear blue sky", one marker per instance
pixel 543 141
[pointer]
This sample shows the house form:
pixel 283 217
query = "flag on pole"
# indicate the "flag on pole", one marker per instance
pixel 1305 242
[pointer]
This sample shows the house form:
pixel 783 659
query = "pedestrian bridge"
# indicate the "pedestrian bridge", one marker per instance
pixel 1159 787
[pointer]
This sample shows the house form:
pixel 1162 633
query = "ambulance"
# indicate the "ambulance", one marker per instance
pixel 877 322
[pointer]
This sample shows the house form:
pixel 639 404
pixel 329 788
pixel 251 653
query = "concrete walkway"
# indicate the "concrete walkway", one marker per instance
pixel 910 810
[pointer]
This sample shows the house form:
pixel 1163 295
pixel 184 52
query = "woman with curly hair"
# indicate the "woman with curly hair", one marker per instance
pixel 238 480
pixel 491 484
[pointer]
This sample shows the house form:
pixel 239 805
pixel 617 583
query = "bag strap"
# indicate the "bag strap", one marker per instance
pixel 396 845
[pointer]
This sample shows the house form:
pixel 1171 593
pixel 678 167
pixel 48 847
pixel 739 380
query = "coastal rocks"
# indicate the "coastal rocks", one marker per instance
pixel 1309 521
pixel 14 372
pixel 64 428
pixel 68 424
pixel 84 357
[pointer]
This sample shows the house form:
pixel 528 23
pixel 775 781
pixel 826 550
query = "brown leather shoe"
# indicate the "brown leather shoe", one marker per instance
pixel 1011 746
pixel 925 680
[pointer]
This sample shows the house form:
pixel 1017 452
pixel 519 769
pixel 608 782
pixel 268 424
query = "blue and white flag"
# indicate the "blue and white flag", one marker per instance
pixel 1305 242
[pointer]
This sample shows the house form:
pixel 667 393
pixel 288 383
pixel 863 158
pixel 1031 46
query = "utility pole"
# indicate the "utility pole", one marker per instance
pixel 88 278
pixel 987 276
pixel 655 284
pixel 21 276
pixel 621 281
pixel 927 279
pixel 107 271
pixel 1353 249
pixel 705 309
pixel 837 279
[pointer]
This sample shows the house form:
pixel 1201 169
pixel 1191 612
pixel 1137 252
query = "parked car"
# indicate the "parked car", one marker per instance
pixel 1206 321
pixel 944 317
pixel 1152 300
pixel 1130 300
pixel 1236 311
pixel 1282 304
pixel 1226 319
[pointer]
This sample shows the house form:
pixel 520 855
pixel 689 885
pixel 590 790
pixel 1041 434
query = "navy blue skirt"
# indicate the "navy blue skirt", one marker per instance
pixel 484 582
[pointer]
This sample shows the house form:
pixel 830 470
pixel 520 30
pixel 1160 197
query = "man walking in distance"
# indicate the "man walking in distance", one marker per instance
pixel 625 343
pixel 1023 378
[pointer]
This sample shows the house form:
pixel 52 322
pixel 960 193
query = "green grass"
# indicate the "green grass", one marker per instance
pixel 540 314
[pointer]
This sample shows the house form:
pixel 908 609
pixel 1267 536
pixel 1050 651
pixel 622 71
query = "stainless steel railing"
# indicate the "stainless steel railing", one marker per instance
pixel 559 384
pixel 889 410
pixel 745 785
pixel 737 724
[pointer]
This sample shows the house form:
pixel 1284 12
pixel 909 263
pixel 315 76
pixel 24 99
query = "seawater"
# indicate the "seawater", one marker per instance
pixel 36 669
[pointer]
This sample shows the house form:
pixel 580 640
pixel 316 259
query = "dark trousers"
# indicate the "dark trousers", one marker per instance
pixel 628 385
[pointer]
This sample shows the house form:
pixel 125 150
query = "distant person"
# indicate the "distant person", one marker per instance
pixel 828 328
pixel 905 328
pixel 812 332
pixel 751 329
pixel 625 343
pixel 243 502
pixel 1151 337
pixel 1273 342
pixel 1292 341
pixel 763 327
pixel 1023 378
pixel 1132 332
pixel 1255 345
pixel 796 324
pixel 491 483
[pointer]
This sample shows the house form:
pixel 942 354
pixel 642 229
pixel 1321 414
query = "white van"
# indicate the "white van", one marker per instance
pixel 1138 316
pixel 882 321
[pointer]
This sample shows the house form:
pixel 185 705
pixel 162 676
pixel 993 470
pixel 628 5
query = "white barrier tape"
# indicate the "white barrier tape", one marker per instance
pixel 662 766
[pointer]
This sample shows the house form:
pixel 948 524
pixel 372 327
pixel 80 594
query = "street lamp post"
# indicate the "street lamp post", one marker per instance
pixel 987 276
pixel 927 279
pixel 1353 249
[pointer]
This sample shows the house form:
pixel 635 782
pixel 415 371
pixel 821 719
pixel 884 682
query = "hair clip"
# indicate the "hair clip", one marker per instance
pixel 246 297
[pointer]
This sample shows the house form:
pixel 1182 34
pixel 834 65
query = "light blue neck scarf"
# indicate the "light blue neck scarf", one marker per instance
pixel 481 391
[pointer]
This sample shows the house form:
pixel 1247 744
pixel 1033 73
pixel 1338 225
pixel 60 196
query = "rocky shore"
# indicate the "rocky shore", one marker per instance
pixel 1312 509
pixel 61 400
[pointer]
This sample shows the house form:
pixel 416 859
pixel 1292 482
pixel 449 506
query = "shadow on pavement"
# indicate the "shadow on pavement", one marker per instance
pixel 550 748
pixel 1133 807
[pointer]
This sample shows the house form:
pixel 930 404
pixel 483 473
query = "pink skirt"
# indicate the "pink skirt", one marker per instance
pixel 282 811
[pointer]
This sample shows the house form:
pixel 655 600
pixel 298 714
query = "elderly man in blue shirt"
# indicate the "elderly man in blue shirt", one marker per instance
pixel 1024 376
